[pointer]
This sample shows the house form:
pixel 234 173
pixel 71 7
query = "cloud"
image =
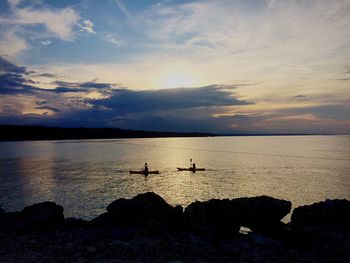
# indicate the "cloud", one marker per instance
pixel 11 43
pixel 211 108
pixel 330 112
pixel 124 100
pixel 14 3
pixel 122 7
pixel 45 42
pixel 46 75
pixel 7 66
pixel 71 102
pixel 18 80
pixel 341 79
pixel 39 22
pixel 89 84
pixel 269 40
pixel 60 22
pixel 48 108
pixel 300 97
pixel 14 79
pixel 88 26
pixel 66 90
pixel 115 39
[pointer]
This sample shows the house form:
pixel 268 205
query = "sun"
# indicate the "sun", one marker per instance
pixel 177 79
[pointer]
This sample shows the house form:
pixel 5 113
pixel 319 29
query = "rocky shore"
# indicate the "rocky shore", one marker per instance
pixel 147 229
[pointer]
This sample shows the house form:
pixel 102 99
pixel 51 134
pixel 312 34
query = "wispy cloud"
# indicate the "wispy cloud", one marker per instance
pixel 115 39
pixel 122 7
pixel 46 42
pixel 60 23
pixel 11 43
pixel 266 38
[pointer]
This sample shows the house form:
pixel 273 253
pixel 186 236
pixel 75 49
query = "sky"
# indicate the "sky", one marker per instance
pixel 223 66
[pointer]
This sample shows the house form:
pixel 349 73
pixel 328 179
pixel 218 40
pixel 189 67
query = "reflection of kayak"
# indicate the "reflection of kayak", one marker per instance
pixel 191 169
pixel 144 172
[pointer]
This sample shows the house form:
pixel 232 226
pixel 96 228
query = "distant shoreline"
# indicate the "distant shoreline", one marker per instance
pixel 47 133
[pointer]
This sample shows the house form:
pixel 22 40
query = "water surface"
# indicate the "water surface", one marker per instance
pixel 84 176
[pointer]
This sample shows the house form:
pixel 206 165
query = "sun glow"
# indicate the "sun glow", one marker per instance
pixel 176 78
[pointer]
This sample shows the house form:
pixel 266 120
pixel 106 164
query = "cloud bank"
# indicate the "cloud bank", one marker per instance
pixel 213 108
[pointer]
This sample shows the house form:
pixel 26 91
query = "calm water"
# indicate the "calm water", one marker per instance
pixel 85 176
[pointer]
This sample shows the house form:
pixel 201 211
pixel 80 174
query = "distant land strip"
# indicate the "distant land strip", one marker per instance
pixel 35 132
pixel 28 133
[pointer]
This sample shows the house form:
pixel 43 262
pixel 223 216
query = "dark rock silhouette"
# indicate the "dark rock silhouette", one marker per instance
pixel 104 220
pixel 214 217
pixel 39 216
pixel 336 212
pixel 261 213
pixel 148 211
pixel 75 223
pixel 323 227
pixel 147 229
pixel 43 215
pixel 226 216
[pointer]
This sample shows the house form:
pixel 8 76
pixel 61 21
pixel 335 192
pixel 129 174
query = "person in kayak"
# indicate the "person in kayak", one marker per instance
pixel 192 165
pixel 145 168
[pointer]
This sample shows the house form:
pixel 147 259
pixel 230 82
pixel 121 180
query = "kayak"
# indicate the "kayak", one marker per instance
pixel 191 169
pixel 144 173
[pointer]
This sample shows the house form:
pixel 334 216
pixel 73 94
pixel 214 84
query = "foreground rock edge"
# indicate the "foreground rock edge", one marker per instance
pixel 204 230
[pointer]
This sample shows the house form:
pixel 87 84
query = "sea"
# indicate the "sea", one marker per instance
pixel 84 176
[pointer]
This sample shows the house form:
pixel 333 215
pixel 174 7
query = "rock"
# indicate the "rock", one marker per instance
pixel 292 254
pixel 214 217
pixel 69 246
pixel 91 250
pixel 330 212
pixel 148 211
pixel 263 239
pixel 75 223
pixel 324 226
pixel 2 212
pixel 123 233
pixel 43 215
pixel 261 213
pixel 12 221
pixel 104 220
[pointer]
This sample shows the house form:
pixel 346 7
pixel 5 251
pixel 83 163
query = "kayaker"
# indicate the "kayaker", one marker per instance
pixel 145 168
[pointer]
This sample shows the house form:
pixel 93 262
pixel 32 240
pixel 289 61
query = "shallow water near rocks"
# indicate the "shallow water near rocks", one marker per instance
pixel 84 176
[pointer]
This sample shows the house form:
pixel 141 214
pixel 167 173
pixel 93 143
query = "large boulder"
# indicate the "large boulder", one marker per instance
pixel 226 216
pixel 261 213
pixel 104 220
pixel 329 212
pixel 324 227
pixel 75 223
pixel 213 217
pixel 148 211
pixel 43 215
pixel 12 221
